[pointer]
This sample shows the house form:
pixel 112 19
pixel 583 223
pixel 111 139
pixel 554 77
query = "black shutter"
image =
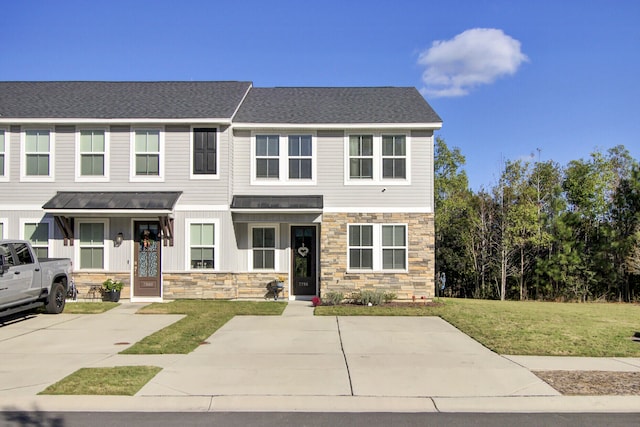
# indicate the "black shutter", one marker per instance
pixel 204 151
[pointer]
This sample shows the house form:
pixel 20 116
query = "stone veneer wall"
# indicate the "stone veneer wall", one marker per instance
pixel 220 285
pixel 418 281
pixel 85 281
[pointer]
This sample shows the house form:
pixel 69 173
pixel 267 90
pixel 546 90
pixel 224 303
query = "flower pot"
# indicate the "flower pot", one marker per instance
pixel 113 296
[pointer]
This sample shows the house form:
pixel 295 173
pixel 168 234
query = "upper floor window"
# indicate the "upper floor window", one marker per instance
pixel 3 153
pixel 377 158
pixel 300 157
pixel 394 156
pixel 91 243
pixel 268 156
pixel 147 154
pixel 361 156
pixel 92 154
pixel 38 154
pixel 204 152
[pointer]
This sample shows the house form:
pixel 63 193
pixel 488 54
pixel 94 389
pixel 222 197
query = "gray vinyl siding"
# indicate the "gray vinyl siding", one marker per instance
pixel 331 173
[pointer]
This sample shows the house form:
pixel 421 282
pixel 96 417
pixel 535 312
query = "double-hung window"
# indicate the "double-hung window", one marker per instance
pixel 37 233
pixel 204 153
pixel 92 247
pixel 267 156
pixel 4 144
pixel 263 244
pixel 377 247
pixel 92 154
pixel 361 156
pixel 147 154
pixel 394 156
pixel 38 154
pixel 202 245
pixel 300 157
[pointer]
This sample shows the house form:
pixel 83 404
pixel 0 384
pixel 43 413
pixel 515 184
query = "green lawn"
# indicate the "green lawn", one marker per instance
pixel 120 380
pixel 89 307
pixel 529 328
pixel 203 318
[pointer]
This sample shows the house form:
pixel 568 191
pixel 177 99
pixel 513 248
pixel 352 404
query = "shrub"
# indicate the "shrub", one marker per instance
pixel 369 297
pixel 333 298
pixel 316 301
pixel 389 296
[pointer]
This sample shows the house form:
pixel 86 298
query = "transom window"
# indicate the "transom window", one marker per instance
pixel 37 233
pixel 377 247
pixel 361 156
pixel 37 151
pixel 202 245
pixel 91 241
pixel 300 157
pixel 268 156
pixel 394 156
pixel 147 152
pixel 92 153
pixel 205 148
pixel 263 243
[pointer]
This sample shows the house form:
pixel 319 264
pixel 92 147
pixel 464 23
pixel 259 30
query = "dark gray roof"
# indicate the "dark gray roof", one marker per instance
pixel 116 100
pixel 335 105
pixel 116 200
pixel 277 202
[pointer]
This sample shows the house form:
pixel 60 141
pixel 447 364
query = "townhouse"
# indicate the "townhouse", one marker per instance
pixel 218 189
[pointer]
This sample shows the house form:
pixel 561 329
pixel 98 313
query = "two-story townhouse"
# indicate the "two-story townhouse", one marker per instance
pixel 216 189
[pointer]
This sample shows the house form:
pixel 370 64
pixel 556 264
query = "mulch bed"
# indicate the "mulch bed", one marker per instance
pixel 592 383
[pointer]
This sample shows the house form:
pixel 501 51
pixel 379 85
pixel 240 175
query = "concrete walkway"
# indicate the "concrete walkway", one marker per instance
pixel 293 362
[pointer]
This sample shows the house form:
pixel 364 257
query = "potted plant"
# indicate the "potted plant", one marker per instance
pixel 111 290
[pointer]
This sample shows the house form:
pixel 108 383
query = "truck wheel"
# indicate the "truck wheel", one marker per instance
pixel 56 300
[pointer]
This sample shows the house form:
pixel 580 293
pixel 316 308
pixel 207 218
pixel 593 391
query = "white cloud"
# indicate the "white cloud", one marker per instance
pixel 472 58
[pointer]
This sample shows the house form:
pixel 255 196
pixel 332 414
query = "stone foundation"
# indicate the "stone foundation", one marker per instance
pixel 220 285
pixel 88 284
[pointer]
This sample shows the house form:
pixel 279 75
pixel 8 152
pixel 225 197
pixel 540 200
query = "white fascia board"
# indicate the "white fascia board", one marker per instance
pixel 216 208
pixel 432 126
pixel 267 211
pixel 74 121
pixel 386 209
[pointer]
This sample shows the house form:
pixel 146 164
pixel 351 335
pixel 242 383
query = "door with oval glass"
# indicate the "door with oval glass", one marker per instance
pixel 146 274
pixel 303 260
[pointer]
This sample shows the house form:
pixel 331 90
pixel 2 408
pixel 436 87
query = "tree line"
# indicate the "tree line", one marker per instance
pixel 542 232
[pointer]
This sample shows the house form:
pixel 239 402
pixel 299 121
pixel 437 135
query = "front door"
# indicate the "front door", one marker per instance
pixel 304 259
pixel 146 267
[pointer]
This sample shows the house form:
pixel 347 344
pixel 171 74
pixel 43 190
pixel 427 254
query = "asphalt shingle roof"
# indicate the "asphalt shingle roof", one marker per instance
pixel 316 105
pixel 115 100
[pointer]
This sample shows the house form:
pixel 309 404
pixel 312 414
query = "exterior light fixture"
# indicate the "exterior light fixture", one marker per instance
pixel 117 241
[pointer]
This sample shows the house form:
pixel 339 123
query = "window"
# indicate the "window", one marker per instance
pixel 147 154
pixel 38 153
pixel 92 151
pixel 202 245
pixel 2 236
pixel 394 247
pixel 37 233
pixel 204 159
pixel 394 156
pixel 268 156
pixel 361 247
pixel 361 156
pixel 377 247
pixel 92 245
pixel 300 157
pixel 3 154
pixel 263 243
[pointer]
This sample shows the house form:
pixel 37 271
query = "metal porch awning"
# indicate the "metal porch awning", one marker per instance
pixel 302 208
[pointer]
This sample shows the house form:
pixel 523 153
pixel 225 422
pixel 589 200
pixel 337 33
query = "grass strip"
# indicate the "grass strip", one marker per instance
pixel 203 318
pixel 120 381
pixel 89 307
pixel 528 328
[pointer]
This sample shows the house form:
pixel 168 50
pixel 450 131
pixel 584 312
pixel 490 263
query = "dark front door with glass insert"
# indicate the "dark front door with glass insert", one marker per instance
pixel 146 274
pixel 303 263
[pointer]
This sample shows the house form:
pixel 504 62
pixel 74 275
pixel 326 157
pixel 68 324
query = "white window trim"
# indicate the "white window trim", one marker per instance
pixel 283 158
pixel 5 227
pixel 132 155
pixel 105 244
pixel 52 155
pixel 7 145
pixel 92 178
pixel 216 244
pixel 276 263
pixel 377 160
pixel 49 221
pixel 191 142
pixel 377 249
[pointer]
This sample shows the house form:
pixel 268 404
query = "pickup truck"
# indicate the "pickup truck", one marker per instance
pixel 27 282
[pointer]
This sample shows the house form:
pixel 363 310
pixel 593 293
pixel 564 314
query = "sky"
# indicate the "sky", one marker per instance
pixel 520 79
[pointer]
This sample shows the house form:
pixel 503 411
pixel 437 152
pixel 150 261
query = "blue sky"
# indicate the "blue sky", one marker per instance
pixel 507 77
